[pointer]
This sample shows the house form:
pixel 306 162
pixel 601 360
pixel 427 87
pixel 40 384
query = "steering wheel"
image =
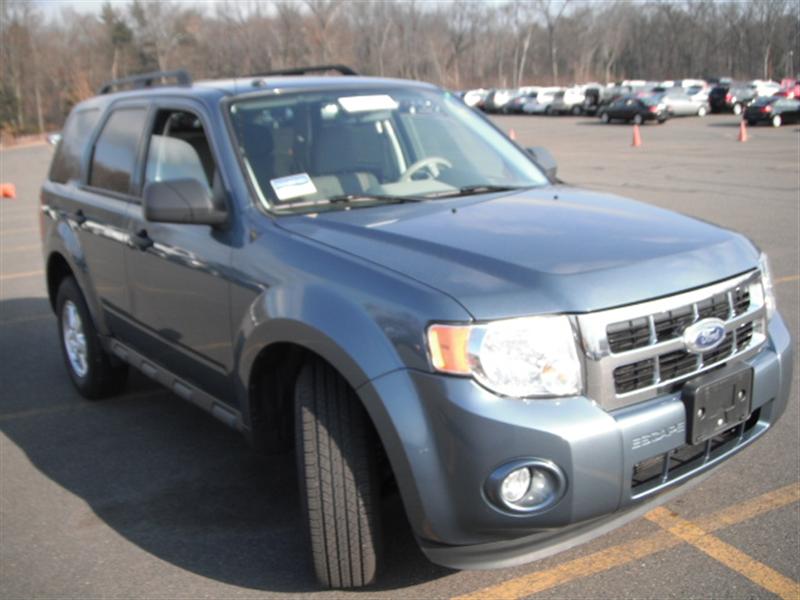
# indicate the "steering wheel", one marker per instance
pixel 429 163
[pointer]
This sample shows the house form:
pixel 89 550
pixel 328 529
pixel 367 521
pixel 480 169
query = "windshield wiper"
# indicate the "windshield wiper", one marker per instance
pixel 350 198
pixel 478 188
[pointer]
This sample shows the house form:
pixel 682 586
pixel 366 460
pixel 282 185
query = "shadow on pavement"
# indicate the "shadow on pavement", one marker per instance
pixel 167 476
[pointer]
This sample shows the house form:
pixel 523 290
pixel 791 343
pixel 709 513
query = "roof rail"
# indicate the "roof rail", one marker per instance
pixel 145 80
pixel 341 69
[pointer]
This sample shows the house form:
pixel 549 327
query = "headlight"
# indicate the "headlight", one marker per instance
pixel 521 358
pixel 766 282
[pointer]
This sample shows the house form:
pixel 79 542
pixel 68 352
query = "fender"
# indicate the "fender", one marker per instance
pixel 319 319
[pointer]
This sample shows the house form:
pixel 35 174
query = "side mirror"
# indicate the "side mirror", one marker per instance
pixel 181 201
pixel 542 157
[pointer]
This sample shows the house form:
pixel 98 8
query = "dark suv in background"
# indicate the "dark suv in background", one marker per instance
pixel 368 272
pixel 731 97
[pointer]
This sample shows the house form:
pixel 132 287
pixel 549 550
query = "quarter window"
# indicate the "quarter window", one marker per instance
pixel 76 134
pixel 116 150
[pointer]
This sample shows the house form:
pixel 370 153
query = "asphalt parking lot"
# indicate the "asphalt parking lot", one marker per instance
pixel 145 496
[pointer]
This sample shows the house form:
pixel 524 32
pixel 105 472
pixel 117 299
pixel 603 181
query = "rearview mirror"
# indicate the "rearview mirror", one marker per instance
pixel 542 157
pixel 181 201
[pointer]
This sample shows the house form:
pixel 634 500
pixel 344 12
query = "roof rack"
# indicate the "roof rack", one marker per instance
pixel 147 80
pixel 341 69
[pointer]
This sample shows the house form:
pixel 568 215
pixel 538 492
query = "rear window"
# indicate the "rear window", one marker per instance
pixel 77 131
pixel 115 153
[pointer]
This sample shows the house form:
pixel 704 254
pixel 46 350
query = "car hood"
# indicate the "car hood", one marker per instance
pixel 546 250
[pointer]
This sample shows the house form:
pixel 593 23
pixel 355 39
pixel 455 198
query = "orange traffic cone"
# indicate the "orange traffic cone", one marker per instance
pixel 8 190
pixel 637 137
pixel 742 132
pixel 512 134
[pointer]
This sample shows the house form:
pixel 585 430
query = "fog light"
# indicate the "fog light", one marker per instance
pixel 526 485
pixel 516 485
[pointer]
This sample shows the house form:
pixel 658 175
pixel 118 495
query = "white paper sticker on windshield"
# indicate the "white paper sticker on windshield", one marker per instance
pixel 365 103
pixel 293 186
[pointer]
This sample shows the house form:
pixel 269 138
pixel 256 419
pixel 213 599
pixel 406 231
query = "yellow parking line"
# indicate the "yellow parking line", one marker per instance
pixel 787 279
pixel 730 556
pixel 22 275
pixel 622 554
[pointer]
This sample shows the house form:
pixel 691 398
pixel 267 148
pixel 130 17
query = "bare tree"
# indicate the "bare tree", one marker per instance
pixel 552 11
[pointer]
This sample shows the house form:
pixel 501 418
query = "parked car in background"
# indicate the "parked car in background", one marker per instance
pixel 731 97
pixel 497 100
pixel 634 110
pixel 790 88
pixel 516 105
pixel 541 104
pixel 775 110
pixel 568 101
pixel 680 104
pixel 698 92
pixel 475 98
pixel 765 87
pixel 593 97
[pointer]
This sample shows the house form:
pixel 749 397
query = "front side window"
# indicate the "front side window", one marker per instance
pixel 116 150
pixel 76 134
pixel 179 149
pixel 313 146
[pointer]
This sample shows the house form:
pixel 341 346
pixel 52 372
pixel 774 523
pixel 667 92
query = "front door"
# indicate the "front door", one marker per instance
pixel 177 272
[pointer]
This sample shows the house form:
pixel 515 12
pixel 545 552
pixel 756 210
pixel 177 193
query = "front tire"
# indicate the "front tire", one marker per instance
pixel 638 120
pixel 605 118
pixel 737 109
pixel 777 121
pixel 702 111
pixel 336 451
pixel 91 369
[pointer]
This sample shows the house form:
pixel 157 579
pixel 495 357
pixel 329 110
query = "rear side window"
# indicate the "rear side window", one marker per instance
pixel 116 150
pixel 76 134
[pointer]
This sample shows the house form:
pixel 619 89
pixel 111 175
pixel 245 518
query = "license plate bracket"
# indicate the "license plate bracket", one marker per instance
pixel 717 401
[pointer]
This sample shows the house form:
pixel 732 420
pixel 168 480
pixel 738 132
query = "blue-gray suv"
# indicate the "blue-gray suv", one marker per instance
pixel 370 273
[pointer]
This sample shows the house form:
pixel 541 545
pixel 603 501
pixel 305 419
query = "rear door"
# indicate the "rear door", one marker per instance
pixel 177 272
pixel 102 205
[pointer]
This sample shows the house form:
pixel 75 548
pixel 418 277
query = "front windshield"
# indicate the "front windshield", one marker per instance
pixel 304 148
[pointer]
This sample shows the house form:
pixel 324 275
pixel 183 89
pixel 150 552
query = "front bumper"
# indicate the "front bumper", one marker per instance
pixel 445 435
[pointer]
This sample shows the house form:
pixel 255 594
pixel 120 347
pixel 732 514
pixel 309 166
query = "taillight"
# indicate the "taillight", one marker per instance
pixel 653 109
pixel 766 108
pixel 728 97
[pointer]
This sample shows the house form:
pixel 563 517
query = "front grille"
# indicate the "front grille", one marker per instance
pixel 635 352
pixel 632 377
pixel 659 470
pixel 636 333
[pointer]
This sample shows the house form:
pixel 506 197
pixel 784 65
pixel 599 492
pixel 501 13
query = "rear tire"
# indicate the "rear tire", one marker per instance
pixel 638 120
pixel 777 121
pixel 702 111
pixel 605 118
pixel 336 451
pixel 93 371
pixel 737 109
pixel 576 111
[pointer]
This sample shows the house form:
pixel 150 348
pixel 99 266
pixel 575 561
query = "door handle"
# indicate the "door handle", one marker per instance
pixel 141 240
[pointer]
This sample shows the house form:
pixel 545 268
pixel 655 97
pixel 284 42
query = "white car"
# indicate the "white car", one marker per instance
pixel 543 101
pixel 765 87
pixel 473 97
pixel 569 101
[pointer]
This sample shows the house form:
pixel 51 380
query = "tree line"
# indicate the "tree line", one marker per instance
pixel 51 61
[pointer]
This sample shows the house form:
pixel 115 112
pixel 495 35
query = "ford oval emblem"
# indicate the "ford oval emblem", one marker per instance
pixel 704 335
